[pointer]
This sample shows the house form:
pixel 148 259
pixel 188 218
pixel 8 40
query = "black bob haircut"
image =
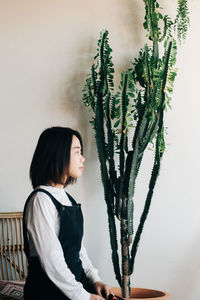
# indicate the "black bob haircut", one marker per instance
pixel 50 163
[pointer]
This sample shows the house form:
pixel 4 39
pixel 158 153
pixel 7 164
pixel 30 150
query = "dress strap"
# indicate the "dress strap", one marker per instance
pixel 55 202
pixel 71 199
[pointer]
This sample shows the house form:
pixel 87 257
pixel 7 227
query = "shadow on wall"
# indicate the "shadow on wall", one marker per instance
pixel 128 39
pixel 130 30
pixel 132 18
pixel 74 85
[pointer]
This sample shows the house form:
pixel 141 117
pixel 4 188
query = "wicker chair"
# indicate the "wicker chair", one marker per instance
pixel 13 263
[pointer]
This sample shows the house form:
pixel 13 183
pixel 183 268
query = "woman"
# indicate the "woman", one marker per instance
pixel 59 268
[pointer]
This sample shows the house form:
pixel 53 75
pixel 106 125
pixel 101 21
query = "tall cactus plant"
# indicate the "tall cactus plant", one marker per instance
pixel 136 109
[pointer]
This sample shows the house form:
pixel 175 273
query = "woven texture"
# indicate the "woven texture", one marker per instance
pixel 11 289
pixel 13 263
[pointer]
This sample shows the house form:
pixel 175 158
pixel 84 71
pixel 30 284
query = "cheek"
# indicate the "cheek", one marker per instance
pixel 73 163
pixel 73 160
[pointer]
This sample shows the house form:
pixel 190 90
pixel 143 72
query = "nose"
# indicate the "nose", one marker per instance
pixel 82 158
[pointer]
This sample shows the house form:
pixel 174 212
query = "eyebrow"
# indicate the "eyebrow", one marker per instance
pixel 77 147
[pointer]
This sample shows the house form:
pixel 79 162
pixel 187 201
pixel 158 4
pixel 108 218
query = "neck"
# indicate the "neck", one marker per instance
pixel 57 185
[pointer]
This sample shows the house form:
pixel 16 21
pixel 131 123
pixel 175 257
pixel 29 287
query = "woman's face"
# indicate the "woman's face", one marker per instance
pixel 76 159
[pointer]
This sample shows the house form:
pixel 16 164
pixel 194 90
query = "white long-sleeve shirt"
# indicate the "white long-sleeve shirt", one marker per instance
pixel 42 221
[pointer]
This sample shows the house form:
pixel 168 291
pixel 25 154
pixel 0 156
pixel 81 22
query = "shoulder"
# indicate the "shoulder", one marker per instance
pixel 40 201
pixel 40 211
pixel 39 196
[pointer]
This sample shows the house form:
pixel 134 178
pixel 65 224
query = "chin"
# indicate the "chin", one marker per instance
pixel 77 175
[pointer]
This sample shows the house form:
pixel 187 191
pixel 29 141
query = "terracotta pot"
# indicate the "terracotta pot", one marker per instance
pixel 138 294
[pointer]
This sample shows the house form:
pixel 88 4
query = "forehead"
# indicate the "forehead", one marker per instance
pixel 75 142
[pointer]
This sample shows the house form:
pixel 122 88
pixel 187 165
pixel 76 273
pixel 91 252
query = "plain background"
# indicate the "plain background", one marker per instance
pixel 46 50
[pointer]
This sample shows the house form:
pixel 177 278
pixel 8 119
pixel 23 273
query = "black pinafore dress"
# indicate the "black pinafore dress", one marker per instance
pixel 38 286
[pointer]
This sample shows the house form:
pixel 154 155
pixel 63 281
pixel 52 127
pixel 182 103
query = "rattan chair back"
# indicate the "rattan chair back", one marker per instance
pixel 13 263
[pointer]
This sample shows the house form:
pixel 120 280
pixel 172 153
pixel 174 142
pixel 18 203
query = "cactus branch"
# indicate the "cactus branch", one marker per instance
pixel 136 107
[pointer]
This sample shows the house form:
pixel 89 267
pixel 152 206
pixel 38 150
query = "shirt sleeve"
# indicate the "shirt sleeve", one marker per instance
pixel 90 271
pixel 40 221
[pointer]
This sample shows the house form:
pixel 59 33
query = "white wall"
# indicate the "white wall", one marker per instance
pixel 46 49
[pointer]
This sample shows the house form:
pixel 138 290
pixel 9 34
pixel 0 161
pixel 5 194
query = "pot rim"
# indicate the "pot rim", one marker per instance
pixel 160 293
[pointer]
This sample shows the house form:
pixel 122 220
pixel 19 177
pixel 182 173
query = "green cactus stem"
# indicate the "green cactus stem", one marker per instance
pixel 137 107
